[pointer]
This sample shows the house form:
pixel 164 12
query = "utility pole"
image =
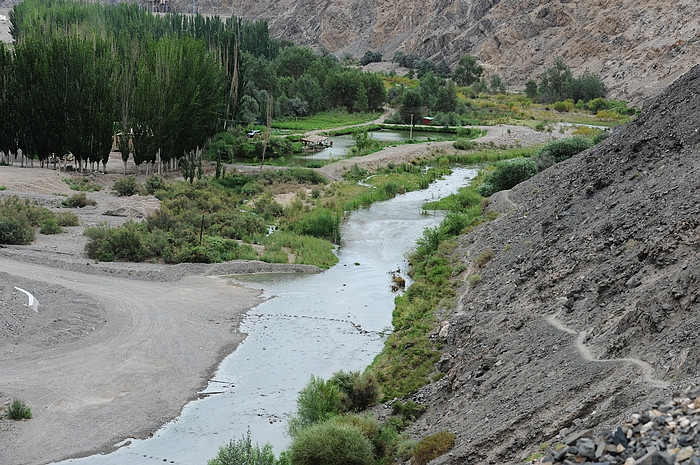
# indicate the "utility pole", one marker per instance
pixel 410 136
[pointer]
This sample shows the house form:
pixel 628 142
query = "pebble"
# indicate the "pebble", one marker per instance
pixel 667 434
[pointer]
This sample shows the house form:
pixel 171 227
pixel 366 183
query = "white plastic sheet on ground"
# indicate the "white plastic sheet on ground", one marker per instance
pixel 32 301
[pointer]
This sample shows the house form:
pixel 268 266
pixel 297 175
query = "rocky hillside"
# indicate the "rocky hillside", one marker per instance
pixel 589 308
pixel 637 46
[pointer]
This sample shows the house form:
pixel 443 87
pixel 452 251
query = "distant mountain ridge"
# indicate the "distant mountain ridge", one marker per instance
pixel 638 47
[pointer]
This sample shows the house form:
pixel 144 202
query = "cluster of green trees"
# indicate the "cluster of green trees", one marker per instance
pixel 558 84
pixel 167 81
pixel 413 61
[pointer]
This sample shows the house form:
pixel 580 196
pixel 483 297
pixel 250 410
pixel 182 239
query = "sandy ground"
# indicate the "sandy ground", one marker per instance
pixel 115 350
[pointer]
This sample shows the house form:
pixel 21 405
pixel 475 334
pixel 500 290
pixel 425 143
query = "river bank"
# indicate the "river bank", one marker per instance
pixel 101 360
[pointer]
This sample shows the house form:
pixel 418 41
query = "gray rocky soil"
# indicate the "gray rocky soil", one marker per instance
pixel 589 308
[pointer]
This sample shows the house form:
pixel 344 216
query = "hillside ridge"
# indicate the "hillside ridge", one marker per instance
pixel 606 244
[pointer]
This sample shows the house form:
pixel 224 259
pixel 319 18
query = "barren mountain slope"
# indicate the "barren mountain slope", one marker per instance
pixel 637 46
pixel 589 307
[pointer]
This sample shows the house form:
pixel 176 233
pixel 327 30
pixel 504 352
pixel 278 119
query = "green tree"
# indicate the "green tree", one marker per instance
pixel 446 100
pixel 294 61
pixel 370 57
pixel 589 87
pixel 411 109
pixel 429 88
pixel 556 83
pixel 8 137
pixel 467 71
pixel 361 102
pixel 497 85
pixel 531 90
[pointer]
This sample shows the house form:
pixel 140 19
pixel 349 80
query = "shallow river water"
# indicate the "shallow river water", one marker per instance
pixel 309 325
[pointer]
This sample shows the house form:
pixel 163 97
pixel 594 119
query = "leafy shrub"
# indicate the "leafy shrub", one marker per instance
pixel 409 410
pixel 83 184
pixel 67 219
pixel 268 208
pixel 600 137
pixel 244 452
pixel 484 257
pixel 18 218
pixel 320 222
pixel 14 231
pixel 50 226
pixel 355 173
pixel 560 150
pixel 329 443
pixel 358 390
pixel 507 174
pixel 560 107
pixel 432 447
pixel 154 183
pixel 78 201
pixel 464 144
pixel 125 187
pixel 18 410
pixel 473 280
pixel 318 401
pixel 597 104
pixel 122 243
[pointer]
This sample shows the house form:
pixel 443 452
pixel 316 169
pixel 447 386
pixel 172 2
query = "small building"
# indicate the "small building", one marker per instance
pixel 427 120
pixel 254 133
pixel 316 142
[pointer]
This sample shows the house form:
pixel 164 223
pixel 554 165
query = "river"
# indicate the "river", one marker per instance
pixel 309 325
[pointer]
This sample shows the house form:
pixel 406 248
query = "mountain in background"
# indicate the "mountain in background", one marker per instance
pixel 637 47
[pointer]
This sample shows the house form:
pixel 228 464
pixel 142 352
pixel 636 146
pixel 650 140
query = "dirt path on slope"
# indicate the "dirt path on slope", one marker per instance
pixel 587 355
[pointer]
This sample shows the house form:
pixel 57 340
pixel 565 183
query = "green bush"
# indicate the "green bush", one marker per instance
pixel 560 150
pixel 122 243
pixel 317 402
pixel 409 410
pixel 19 218
pixel 484 257
pixel 83 184
pixel 597 104
pixel 329 443
pixel 358 390
pixel 16 232
pixel 67 219
pixel 78 201
pixel 50 226
pixel 507 174
pixel 154 183
pixel 355 173
pixel 18 410
pixel 244 452
pixel 464 144
pixel 560 107
pixel 432 447
pixel 125 187
pixel 320 222
pixel 600 137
